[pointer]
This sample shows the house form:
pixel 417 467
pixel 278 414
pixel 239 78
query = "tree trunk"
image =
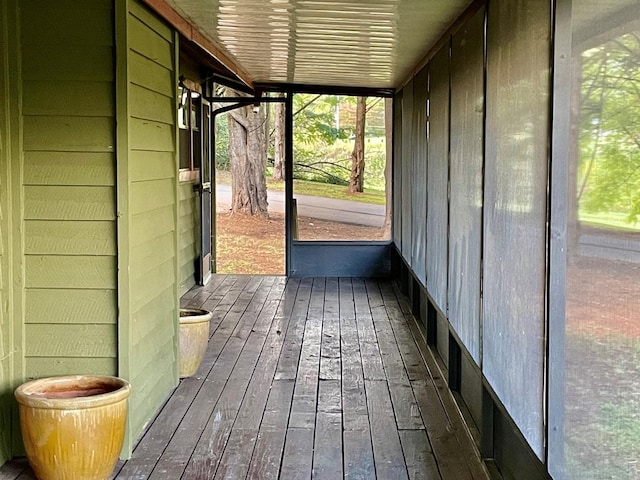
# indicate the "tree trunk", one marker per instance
pixel 247 155
pixel 356 181
pixel 388 134
pixel 278 163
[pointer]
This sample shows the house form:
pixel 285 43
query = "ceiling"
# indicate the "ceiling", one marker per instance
pixel 357 43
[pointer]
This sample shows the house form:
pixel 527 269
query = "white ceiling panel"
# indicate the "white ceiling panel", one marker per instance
pixel 373 43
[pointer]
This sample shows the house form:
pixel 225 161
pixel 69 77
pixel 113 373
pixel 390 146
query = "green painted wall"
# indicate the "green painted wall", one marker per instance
pixel 6 370
pixel 188 227
pixel 148 195
pixel 69 213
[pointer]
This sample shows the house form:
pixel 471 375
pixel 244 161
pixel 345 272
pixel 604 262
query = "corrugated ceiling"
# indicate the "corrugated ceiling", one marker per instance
pixel 373 43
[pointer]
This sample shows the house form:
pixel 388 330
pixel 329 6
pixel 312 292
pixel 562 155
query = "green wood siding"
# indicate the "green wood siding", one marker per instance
pixel 188 225
pixel 69 211
pixel 6 373
pixel 149 338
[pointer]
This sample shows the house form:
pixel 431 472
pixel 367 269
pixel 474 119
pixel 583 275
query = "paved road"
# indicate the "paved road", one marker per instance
pixel 345 211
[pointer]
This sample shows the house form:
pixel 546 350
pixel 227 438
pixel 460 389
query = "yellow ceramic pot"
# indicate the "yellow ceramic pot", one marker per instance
pixel 194 338
pixel 73 427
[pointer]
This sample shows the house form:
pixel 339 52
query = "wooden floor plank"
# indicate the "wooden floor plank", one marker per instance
pixel 405 407
pixel 181 447
pixel 160 432
pixel 306 378
pixel 288 361
pixel 367 339
pixel 269 447
pixel 209 450
pixel 421 464
pixel 387 452
pixel 327 448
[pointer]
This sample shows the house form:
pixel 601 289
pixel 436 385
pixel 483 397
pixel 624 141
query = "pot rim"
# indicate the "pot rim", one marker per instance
pixel 26 394
pixel 197 315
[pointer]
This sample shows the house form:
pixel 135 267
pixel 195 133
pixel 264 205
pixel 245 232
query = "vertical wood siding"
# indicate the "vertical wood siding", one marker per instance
pixel 188 224
pixel 153 204
pixel 69 187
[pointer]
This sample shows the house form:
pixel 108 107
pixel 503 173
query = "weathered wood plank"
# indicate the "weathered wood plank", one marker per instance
pixel 288 362
pixel 158 435
pixel 183 443
pixel 358 455
pixel 387 451
pixel 327 448
pixel 205 460
pixel 437 384
pixel 330 365
pixel 267 453
pixel 446 447
pixel 404 404
pixel 303 409
pixel 421 464
pixel 298 452
pixel 368 341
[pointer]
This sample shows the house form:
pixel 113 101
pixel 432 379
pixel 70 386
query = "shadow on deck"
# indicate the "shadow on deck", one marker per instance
pixel 305 378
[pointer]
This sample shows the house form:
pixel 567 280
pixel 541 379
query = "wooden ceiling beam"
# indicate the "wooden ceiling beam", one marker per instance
pixel 191 33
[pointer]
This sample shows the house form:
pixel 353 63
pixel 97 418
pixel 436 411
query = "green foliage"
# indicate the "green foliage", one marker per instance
pixel 609 142
pixel 222 143
pixel 322 143
pixel 323 130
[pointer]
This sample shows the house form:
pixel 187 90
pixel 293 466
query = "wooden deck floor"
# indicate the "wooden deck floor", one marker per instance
pixel 306 378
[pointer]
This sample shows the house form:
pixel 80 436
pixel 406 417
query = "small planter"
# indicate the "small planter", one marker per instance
pixel 73 427
pixel 194 338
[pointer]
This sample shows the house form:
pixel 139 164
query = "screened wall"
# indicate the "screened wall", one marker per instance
pixel 599 360
pixel 487 99
pixel 530 181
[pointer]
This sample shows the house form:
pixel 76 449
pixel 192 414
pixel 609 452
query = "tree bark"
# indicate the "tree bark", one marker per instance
pixel 356 180
pixel 247 155
pixel 278 163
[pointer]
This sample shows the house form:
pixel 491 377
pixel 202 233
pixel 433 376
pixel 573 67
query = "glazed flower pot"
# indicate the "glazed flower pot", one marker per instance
pixel 194 338
pixel 73 426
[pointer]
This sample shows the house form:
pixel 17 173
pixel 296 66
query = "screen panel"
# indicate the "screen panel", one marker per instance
pixel 419 196
pixel 516 165
pixel 397 171
pixel 407 170
pixel 467 155
pixel 438 178
pixel 601 349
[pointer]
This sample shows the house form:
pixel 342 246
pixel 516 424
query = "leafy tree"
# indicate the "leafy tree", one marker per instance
pixel 609 131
